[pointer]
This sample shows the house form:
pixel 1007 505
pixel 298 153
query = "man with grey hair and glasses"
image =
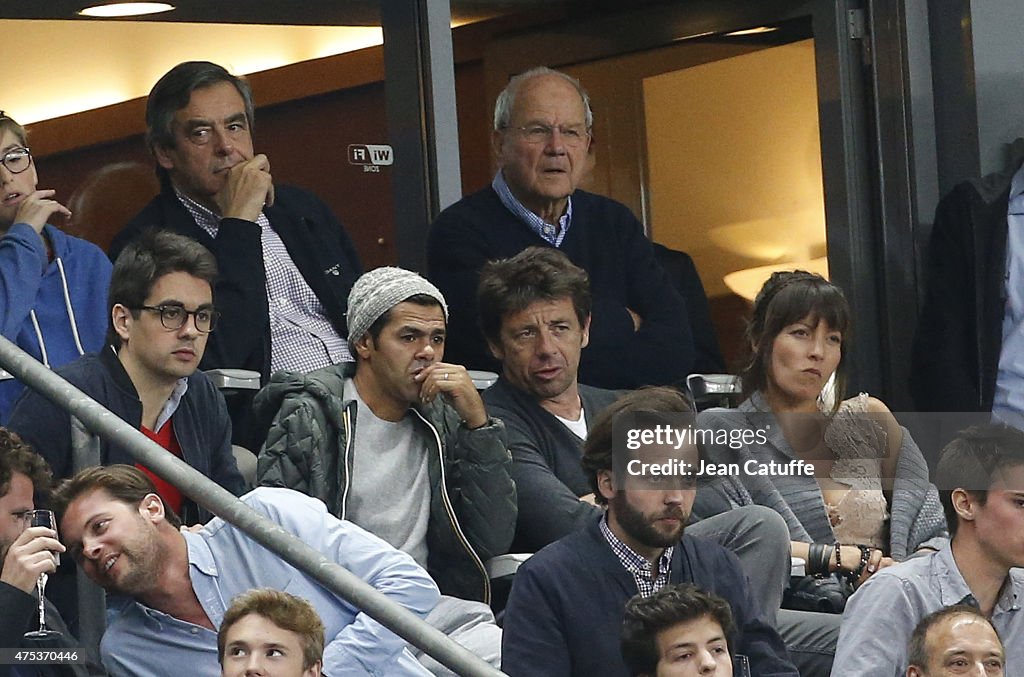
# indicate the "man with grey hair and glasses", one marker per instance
pixel 640 334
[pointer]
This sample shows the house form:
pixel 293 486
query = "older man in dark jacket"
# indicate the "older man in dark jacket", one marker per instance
pixel 426 468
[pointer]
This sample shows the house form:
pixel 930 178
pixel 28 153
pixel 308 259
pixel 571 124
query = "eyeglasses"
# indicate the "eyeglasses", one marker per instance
pixel 175 317
pixel 572 135
pixel 16 161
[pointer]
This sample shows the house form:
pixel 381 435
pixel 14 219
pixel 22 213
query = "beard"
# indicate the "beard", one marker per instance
pixel 140 561
pixel 643 528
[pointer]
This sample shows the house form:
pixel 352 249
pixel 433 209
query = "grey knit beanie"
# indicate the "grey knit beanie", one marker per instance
pixel 381 289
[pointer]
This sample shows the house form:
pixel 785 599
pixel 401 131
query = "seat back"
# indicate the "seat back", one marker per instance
pixel 482 379
pixel 714 390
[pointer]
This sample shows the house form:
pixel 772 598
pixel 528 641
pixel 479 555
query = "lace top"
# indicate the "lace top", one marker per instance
pixel 915 515
pixel 858 442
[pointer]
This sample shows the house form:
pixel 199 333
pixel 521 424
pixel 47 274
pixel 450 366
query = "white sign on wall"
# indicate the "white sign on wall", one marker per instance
pixel 370 156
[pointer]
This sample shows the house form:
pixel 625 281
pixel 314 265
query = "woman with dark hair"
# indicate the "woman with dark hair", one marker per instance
pixel 849 481
pixel 53 287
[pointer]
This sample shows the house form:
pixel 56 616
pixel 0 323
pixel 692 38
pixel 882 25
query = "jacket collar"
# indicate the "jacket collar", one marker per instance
pixel 607 561
pixel 992 187
pixel 108 358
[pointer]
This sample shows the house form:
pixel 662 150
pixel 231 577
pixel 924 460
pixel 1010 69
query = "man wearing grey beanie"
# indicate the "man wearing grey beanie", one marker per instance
pixel 401 444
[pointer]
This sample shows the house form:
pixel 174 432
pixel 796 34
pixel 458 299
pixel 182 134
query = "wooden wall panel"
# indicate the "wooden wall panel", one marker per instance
pixel 306 140
pixel 101 215
pixel 475 113
pixel 307 114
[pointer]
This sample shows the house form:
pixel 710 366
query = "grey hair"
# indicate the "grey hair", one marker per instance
pixel 507 99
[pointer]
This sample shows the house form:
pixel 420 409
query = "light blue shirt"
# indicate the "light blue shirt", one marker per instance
pixel 224 562
pixel 552 234
pixel 1008 403
pixel 880 617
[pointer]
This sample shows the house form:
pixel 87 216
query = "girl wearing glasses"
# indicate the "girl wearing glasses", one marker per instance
pixel 53 287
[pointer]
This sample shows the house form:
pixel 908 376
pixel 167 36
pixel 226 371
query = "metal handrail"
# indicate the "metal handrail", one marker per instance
pixel 223 504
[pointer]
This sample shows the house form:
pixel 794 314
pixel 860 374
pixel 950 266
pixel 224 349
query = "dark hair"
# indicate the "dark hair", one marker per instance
pixel 16 456
pixel 647 616
pixel 535 274
pixel 284 610
pixel 917 650
pixel 971 462
pixel 123 482
pixel 789 297
pixel 378 325
pixel 597 449
pixel 173 91
pixel 145 260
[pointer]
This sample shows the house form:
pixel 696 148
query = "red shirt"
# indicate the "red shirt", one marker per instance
pixel 165 438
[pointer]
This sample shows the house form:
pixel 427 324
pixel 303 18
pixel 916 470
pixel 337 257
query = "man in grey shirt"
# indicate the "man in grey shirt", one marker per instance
pixel 981 483
pixel 401 444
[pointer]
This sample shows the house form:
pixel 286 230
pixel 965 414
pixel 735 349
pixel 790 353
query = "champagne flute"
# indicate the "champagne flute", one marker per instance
pixel 42 518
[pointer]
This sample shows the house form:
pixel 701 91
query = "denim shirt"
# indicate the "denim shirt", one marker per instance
pixel 880 617
pixel 224 562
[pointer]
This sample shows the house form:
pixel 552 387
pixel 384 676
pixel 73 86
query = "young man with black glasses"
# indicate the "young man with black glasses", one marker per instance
pixel 161 316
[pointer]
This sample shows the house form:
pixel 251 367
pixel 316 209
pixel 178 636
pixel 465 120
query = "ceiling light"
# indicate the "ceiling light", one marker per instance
pixel 126 9
pixel 752 31
pixel 748 282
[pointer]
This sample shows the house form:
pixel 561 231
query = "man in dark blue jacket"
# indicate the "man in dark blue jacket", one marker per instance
pixel 161 315
pixel 286 263
pixel 565 612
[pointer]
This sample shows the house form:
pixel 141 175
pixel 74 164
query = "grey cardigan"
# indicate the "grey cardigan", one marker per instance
pixel 916 518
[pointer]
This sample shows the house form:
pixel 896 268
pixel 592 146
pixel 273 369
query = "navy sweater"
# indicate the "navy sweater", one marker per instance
pixel 564 615
pixel 607 241
pixel 545 463
pixel 315 240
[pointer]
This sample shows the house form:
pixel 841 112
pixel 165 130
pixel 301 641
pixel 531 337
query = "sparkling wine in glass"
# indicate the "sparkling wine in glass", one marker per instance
pixel 42 518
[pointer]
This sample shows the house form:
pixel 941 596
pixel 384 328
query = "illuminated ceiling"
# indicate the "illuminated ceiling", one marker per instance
pixel 80 65
pixel 67 64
